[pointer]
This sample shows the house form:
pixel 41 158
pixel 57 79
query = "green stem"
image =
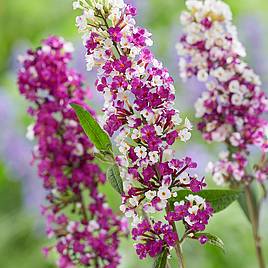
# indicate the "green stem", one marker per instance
pixel 254 217
pixel 178 247
pixel 168 265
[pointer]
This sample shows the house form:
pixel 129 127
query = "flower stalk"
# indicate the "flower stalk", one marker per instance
pixel 254 218
pixel 178 246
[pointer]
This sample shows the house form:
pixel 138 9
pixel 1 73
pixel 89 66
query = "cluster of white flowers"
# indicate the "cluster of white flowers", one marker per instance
pixel 114 9
pixel 233 103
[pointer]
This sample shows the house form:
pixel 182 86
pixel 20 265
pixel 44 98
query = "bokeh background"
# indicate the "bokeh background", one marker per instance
pixel 23 23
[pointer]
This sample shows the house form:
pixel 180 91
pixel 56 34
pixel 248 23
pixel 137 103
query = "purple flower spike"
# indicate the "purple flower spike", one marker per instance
pixel 84 227
pixel 139 112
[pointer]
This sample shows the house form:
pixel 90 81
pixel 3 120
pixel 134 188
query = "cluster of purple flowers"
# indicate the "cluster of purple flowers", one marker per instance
pixel 139 110
pixel 195 214
pixel 156 236
pixel 86 230
pixel 194 211
pixel 232 106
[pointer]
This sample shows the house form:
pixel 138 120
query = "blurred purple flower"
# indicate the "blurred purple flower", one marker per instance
pixel 15 153
pixel 253 34
pixel 90 77
pixel 200 153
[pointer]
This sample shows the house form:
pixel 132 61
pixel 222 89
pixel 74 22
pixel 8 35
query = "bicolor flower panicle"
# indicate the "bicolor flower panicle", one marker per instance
pixel 139 110
pixel 232 105
pixel 86 230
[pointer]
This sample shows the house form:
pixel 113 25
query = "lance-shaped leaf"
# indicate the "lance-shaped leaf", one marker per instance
pixel 251 194
pixel 161 260
pixel 105 156
pixel 115 179
pixel 212 239
pixel 219 199
pixel 93 130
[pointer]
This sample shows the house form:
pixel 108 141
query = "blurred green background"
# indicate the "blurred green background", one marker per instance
pixel 23 23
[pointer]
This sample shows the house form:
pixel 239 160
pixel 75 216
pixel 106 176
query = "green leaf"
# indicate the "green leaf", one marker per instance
pixel 161 260
pixel 253 195
pixel 212 239
pixel 93 130
pixel 242 201
pixel 219 199
pixel 105 157
pixel 115 179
